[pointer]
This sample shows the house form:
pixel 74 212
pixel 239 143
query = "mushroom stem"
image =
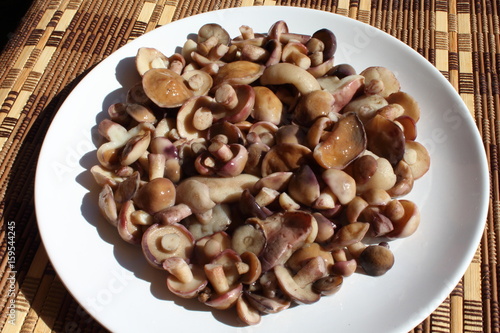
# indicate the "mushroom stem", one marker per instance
pixel 226 95
pixel 170 242
pixel 156 165
pixel 179 268
pixel 217 277
pixel 220 151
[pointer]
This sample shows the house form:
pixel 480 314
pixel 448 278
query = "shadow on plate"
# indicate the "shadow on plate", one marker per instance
pixel 127 255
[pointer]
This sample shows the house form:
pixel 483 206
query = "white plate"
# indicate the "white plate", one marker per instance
pixel 112 281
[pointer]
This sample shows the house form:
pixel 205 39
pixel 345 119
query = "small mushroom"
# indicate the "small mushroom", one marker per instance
pixel 385 138
pixel 198 81
pixel 248 238
pixel 409 104
pixel 285 73
pixel 404 180
pixel 194 194
pixel 299 286
pixel 268 106
pixel 160 242
pixel 307 252
pixel 148 58
pixel 417 157
pixel 107 205
pixel 238 102
pixel 304 186
pixel 348 235
pixel 213 29
pixel 341 184
pixel 227 190
pixel 246 312
pixel 184 280
pixel 165 87
pixel 328 285
pixel 156 195
pixel 266 304
pixel 408 223
pixel 376 260
pixel 383 178
pixel 238 72
pixel 343 144
pixel 127 230
pixel 292 231
pixel 366 106
pixel 284 157
pixel 296 53
pixel 254 268
pixel 388 80
pixel 327 37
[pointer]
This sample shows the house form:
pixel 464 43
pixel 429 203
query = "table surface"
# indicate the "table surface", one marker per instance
pixel 68 37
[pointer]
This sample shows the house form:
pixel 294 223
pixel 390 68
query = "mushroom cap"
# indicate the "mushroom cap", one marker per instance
pixel 165 87
pixel 376 260
pixel 156 195
pixel 343 144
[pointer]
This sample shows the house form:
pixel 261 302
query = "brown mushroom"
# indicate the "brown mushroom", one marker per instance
pixel 165 87
pixel 343 144
pixel 184 280
pixel 156 195
pixel 284 157
pixel 376 260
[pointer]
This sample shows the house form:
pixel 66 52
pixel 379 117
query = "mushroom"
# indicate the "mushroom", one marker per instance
pixel 237 101
pixel 267 105
pixel 417 157
pixel 299 286
pixel 226 190
pixel 194 194
pixel 223 275
pixel 404 180
pixel 184 280
pixel 222 160
pixel 290 234
pixel 238 72
pixel 384 77
pixel 160 242
pixel 266 304
pixel 328 285
pixel 285 73
pixel 277 181
pixel 284 157
pixel 313 105
pixel 376 260
pixel 254 268
pixel 407 224
pixel 107 205
pixel 173 214
pixel 156 195
pixel 385 139
pixel 366 106
pixel 248 238
pixel 210 246
pixel 148 58
pixel 165 87
pixel 188 121
pixel 198 81
pixel 304 186
pixel 343 144
pixel 347 235
pixel 219 220
pixel 127 188
pixel 383 178
pixel 329 41
pixel 246 312
pixel 127 230
pixel 409 104
pixel 307 252
pixel 295 53
pixel 341 184
pixel 213 29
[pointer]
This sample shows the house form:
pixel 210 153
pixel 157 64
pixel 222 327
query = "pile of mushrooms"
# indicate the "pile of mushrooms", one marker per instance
pixel 256 172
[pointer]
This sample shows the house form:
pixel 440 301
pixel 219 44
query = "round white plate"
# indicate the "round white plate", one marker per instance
pixel 113 282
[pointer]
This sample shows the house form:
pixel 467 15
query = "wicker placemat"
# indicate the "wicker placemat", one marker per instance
pixel 60 40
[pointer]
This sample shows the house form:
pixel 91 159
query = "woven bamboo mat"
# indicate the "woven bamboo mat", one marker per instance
pixel 60 40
